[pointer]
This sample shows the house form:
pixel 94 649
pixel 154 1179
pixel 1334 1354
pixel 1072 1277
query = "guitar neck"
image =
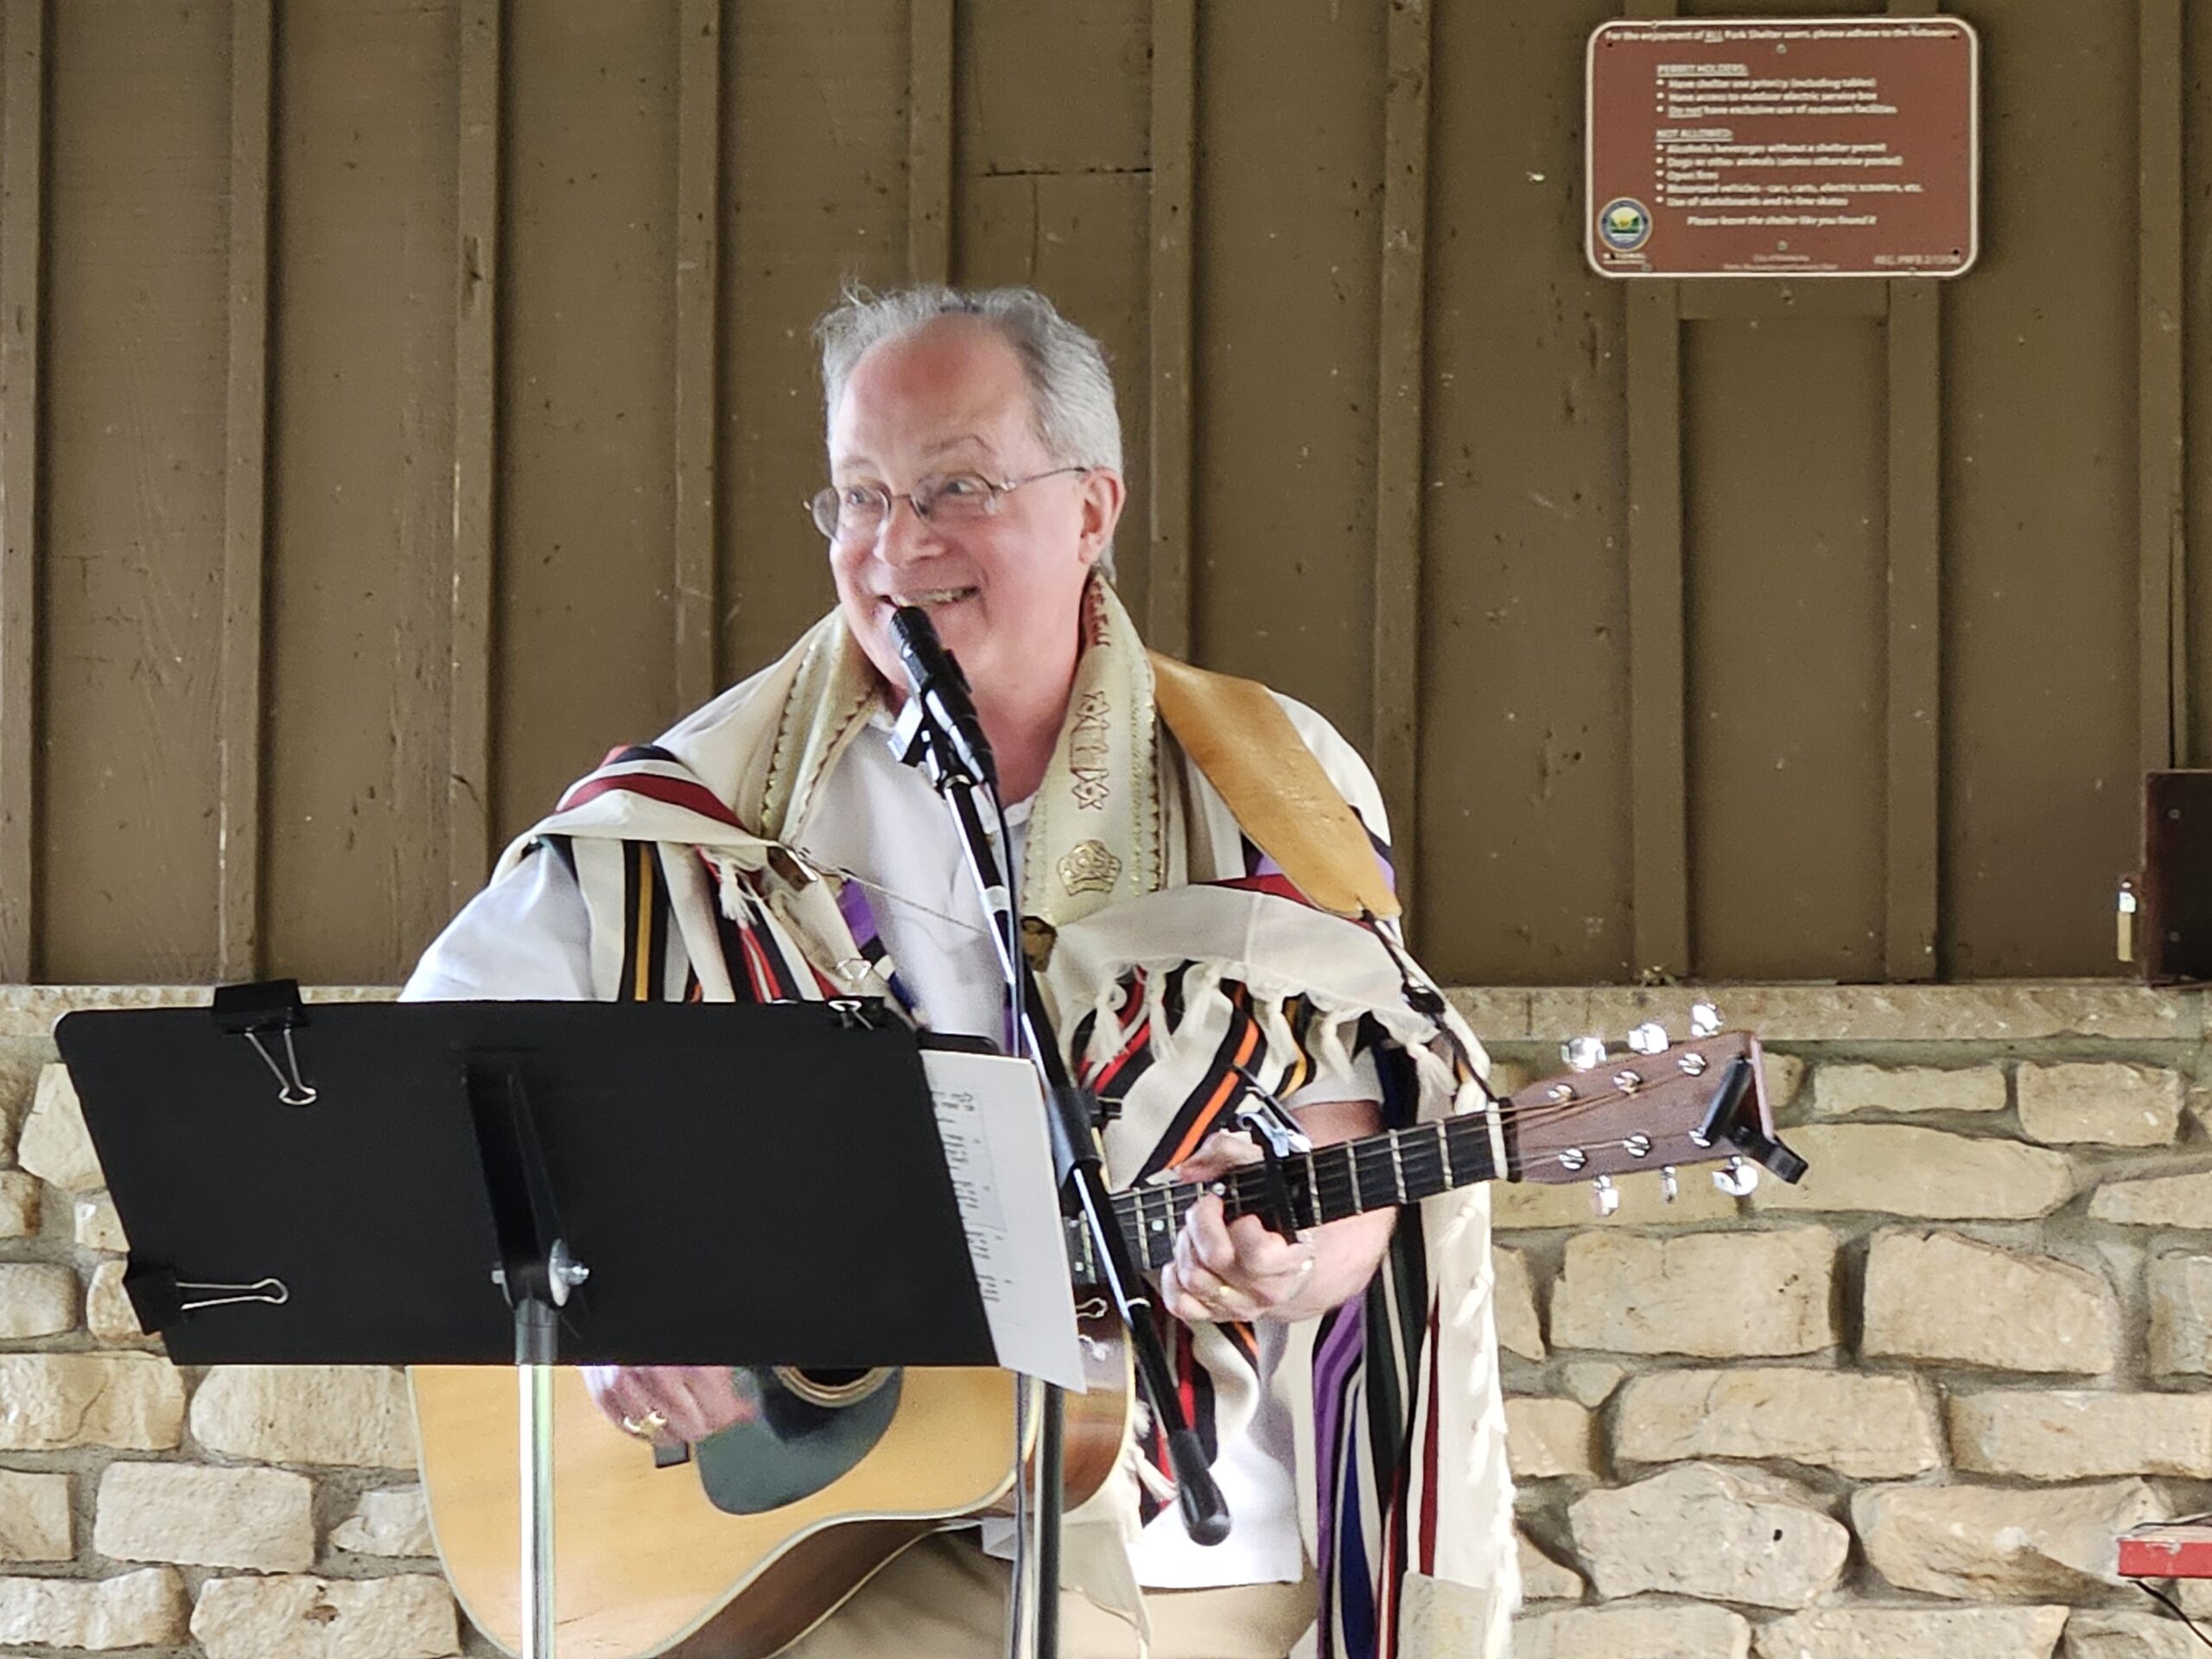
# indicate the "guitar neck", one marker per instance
pixel 1346 1178
pixel 1694 1103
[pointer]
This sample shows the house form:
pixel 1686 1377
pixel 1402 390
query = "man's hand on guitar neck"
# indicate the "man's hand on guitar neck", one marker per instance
pixel 1241 1270
pixel 669 1405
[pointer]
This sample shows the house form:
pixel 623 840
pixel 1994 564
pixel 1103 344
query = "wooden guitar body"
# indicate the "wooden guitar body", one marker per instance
pixel 645 1564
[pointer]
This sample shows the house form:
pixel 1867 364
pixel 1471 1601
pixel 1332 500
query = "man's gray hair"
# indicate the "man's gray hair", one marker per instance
pixel 1070 390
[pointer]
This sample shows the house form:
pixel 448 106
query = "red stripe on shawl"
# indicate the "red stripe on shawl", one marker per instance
pixel 756 966
pixel 675 792
pixel 1186 1387
pixel 1131 1045
pixel 1112 1069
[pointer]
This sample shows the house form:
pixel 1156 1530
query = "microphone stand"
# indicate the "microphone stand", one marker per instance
pixel 937 731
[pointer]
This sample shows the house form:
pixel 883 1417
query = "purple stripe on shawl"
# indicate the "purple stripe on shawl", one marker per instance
pixel 860 921
pixel 1336 1356
pixel 859 914
pixel 1382 854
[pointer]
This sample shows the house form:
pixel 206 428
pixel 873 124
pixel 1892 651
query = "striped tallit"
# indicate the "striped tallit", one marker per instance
pixel 1181 962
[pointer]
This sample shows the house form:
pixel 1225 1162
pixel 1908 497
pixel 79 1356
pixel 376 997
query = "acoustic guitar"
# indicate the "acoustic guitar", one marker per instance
pixel 745 1546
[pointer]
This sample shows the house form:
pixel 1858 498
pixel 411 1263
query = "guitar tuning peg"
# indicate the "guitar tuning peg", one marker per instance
pixel 1649 1038
pixel 1605 1196
pixel 1668 1184
pixel 1705 1020
pixel 1583 1053
pixel 1736 1177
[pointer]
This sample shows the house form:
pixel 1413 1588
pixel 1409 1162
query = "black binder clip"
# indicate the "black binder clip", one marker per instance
pixel 852 1014
pixel 256 1011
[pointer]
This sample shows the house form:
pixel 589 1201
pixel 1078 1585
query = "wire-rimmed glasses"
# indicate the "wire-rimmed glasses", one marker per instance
pixel 857 512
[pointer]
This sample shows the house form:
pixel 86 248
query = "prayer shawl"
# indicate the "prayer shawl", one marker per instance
pixel 1176 955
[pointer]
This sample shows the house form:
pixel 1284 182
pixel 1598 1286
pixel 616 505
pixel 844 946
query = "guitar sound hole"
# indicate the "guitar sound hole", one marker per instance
pixel 829 1388
pixel 822 1379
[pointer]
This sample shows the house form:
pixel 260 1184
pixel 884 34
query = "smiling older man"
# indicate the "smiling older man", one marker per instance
pixel 974 465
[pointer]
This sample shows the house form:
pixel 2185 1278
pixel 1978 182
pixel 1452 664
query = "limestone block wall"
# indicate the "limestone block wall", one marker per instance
pixel 236 1512
pixel 1902 1410
pixel 1906 1407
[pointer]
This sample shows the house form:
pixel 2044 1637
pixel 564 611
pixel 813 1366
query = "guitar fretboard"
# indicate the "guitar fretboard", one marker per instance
pixel 1328 1184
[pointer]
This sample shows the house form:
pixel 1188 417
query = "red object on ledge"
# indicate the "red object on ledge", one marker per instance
pixel 2166 1552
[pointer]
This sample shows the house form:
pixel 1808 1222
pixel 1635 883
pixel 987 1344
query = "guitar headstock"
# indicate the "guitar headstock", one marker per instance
pixel 1658 1105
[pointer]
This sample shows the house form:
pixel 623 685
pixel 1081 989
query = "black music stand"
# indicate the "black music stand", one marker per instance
pixel 496 1183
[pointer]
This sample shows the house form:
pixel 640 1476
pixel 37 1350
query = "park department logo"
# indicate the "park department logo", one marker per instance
pixel 1625 224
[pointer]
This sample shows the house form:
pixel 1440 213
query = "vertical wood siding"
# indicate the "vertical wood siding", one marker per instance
pixel 377 482
pixel 22 166
pixel 243 696
pixel 401 404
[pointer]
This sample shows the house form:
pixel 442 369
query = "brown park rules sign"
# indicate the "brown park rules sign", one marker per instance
pixel 1812 147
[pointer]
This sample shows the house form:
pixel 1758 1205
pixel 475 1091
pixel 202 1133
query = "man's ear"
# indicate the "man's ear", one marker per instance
pixel 1104 494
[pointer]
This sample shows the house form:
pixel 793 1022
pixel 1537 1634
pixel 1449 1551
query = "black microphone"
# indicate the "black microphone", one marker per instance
pixel 934 675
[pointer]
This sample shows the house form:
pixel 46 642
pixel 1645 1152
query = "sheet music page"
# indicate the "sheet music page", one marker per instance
pixel 990 1115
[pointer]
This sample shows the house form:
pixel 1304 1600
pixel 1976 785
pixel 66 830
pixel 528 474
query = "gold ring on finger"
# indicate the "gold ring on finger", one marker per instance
pixel 647 1427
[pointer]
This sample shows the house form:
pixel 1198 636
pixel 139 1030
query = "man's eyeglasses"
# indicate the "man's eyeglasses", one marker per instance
pixel 856 511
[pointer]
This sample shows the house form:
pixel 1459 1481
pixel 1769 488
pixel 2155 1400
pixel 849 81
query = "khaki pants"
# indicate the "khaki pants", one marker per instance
pixel 944 1598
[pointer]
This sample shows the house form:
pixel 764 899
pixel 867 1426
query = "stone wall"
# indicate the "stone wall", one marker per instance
pixel 1906 1407
pixel 237 1512
pixel 1903 1408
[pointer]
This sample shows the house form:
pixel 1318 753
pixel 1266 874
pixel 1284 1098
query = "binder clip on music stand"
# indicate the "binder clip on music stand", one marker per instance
pixel 939 730
pixel 449 1184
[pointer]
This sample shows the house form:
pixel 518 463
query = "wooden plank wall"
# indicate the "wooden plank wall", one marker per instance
pixel 402 404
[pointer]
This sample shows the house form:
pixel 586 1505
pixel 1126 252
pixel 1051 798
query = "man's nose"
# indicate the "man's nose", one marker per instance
pixel 904 535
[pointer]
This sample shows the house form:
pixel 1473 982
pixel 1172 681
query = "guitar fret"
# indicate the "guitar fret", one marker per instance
pixel 1160 1229
pixel 1421 1158
pixel 1372 1196
pixel 1472 1152
pixel 1397 1170
pixel 1342 1191
pixel 1319 1184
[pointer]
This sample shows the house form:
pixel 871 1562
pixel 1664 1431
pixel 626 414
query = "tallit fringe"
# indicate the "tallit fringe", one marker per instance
pixel 1330 1031
pixel 690 901
pixel 1108 1032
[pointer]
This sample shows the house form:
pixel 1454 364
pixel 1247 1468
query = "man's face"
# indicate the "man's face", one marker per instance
pixel 1004 590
